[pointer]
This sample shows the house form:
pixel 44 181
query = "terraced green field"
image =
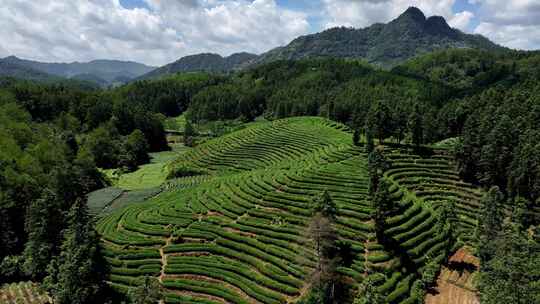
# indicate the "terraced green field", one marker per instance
pixel 235 233
pixel 434 181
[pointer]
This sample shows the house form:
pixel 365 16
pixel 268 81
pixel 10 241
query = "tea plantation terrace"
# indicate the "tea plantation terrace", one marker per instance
pixel 235 233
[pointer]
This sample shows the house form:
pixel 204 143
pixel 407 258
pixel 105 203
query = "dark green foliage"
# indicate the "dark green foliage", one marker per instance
pixel 334 88
pixel 468 150
pixel 496 154
pixel 370 145
pixel 128 117
pixel 418 291
pixel 377 164
pixel 42 173
pixel 368 293
pixel 80 110
pixel 490 223
pixel 41 229
pixel 356 137
pixel 189 133
pixel 324 205
pixel 185 171
pixel 11 269
pixel 499 136
pixel 430 273
pixel 523 213
pixel 105 144
pixel 136 150
pixel 203 63
pixel 112 150
pixel 524 177
pixel 416 127
pixel 512 274
pixel 238 99
pixel 460 69
pixel 149 292
pixel 388 44
pixel 383 205
pixel 76 275
pixel 379 121
pixel 170 96
pixel 315 296
pixel 446 214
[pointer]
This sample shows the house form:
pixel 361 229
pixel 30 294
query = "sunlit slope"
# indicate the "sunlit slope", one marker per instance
pixel 435 181
pixel 237 233
pixel 266 145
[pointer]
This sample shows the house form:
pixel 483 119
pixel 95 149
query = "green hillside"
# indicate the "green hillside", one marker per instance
pixel 392 164
pixel 203 63
pixel 387 45
pixel 101 72
pixel 236 233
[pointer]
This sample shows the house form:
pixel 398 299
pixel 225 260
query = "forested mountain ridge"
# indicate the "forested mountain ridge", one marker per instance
pixel 205 62
pixel 9 69
pixel 102 72
pixel 386 45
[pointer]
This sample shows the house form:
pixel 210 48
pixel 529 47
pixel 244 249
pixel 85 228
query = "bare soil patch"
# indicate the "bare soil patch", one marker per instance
pixel 455 284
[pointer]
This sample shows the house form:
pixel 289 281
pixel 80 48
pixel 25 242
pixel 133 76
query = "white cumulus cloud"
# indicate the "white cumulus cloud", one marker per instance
pixel 461 20
pixel 361 13
pixel 512 23
pixel 56 30
pixel 165 30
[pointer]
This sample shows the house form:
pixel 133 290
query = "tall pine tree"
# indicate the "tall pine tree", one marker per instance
pixel 356 137
pixel 41 229
pixel 377 164
pixel 148 293
pixel 383 205
pixel 370 145
pixel 189 132
pixel 490 223
pixel 512 275
pixel 416 127
pixel 76 276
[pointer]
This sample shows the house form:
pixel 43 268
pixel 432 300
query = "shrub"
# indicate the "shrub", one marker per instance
pixel 185 171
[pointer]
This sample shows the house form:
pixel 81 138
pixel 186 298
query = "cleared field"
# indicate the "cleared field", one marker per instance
pixel 100 200
pixel 23 293
pixel 236 233
pixel 136 186
pixel 456 281
pixel 150 175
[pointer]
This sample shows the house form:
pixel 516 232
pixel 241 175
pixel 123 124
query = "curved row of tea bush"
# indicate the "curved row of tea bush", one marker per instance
pixel 238 233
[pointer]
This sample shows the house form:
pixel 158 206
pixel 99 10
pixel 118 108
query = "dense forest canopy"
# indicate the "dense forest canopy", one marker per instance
pixel 55 138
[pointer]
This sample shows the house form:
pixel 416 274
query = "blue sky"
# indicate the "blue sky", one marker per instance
pixel 313 9
pixel 133 4
pixel 463 5
pixel 160 31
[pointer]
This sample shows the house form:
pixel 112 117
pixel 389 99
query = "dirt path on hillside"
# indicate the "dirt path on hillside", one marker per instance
pixel 163 263
pixel 164 258
pixel 455 283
